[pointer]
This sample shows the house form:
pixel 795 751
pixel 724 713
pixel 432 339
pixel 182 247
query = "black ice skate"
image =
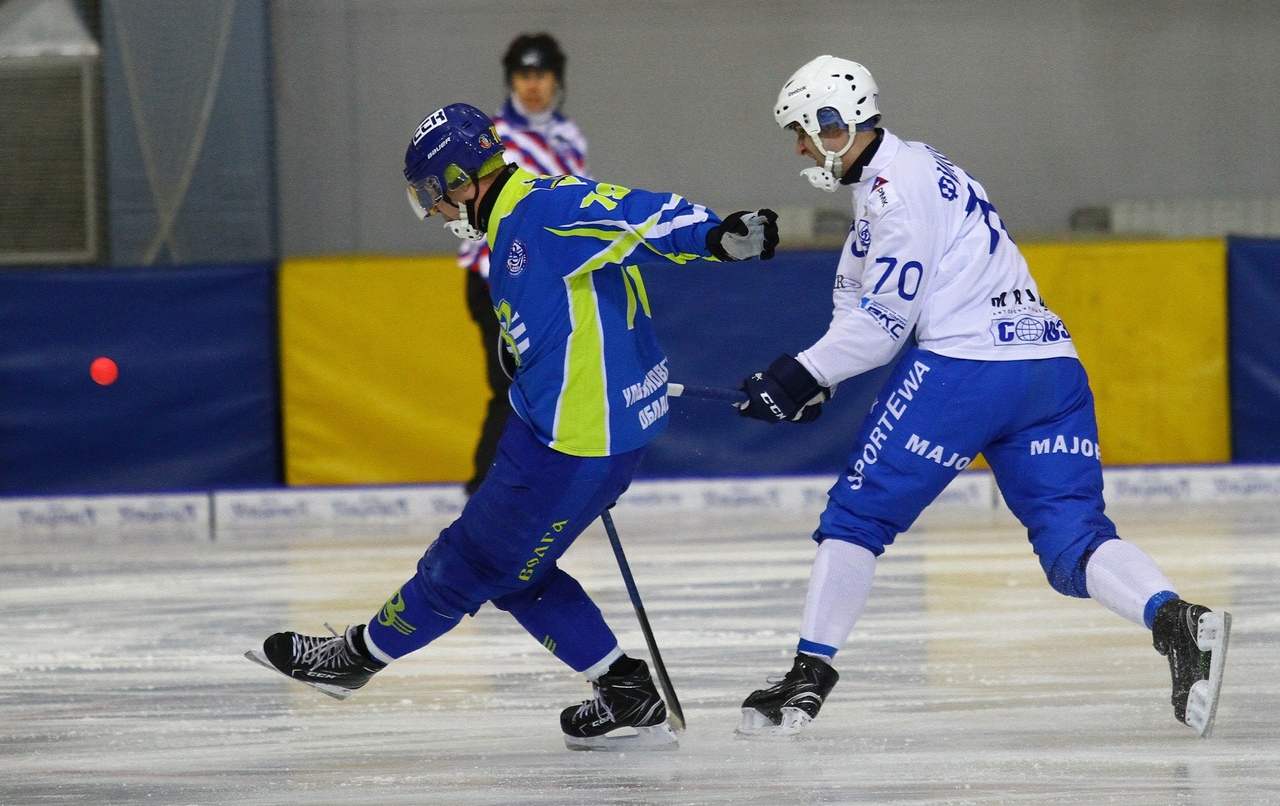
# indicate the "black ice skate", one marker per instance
pixel 792 703
pixel 331 664
pixel 1194 639
pixel 625 698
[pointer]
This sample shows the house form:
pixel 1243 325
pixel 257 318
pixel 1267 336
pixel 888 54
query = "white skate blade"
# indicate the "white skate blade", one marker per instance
pixel 337 692
pixel 656 737
pixel 755 725
pixel 1202 700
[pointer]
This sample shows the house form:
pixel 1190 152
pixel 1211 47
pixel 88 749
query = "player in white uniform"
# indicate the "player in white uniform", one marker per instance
pixel 993 372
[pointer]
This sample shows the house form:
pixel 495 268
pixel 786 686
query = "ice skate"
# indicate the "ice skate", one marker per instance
pixel 332 665
pixel 785 708
pixel 1194 639
pixel 626 713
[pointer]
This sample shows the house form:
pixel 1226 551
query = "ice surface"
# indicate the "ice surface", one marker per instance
pixel 967 681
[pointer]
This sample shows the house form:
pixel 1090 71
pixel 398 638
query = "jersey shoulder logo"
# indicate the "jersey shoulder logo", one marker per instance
pixel 516 259
pixel 880 192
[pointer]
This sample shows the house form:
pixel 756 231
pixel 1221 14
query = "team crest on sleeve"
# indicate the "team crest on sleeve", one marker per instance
pixel 861 240
pixel 517 257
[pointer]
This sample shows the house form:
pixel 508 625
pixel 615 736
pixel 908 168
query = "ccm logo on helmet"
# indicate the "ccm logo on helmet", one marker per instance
pixel 437 117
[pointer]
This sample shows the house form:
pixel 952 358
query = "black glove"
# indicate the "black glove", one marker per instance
pixel 743 235
pixel 784 391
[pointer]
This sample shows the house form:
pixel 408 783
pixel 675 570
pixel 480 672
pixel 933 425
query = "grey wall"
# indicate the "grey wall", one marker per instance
pixel 188 131
pixel 1051 105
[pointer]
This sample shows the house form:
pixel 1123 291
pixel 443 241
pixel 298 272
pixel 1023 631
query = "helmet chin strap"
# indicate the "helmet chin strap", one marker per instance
pixel 462 227
pixel 828 177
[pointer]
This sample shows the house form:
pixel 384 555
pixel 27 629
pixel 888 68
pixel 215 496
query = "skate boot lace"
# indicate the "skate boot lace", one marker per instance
pixel 325 651
pixel 792 676
pixel 596 705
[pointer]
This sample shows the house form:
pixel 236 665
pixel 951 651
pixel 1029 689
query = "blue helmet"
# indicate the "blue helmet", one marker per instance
pixel 451 147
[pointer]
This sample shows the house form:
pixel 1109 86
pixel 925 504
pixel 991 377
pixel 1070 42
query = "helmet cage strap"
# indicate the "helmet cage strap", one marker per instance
pixel 827 177
pixel 463 227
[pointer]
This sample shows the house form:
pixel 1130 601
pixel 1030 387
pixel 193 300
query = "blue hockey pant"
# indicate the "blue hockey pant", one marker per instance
pixel 503 549
pixel 1033 421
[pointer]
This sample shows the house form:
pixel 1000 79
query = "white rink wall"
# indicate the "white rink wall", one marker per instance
pixel 431 507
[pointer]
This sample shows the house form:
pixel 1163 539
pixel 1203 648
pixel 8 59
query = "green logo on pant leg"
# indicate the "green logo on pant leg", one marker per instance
pixel 549 643
pixel 390 615
pixel 526 573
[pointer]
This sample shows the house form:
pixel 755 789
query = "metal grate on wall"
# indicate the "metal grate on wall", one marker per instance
pixel 47 199
pixel 49 180
pixel 1182 218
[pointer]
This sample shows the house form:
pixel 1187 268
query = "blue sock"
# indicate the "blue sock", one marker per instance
pixel 814 648
pixel 1153 604
pixel 406 623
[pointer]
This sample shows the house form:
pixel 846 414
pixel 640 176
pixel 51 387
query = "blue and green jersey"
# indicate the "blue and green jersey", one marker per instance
pixel 590 379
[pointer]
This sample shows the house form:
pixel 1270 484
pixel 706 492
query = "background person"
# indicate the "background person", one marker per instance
pixel 541 140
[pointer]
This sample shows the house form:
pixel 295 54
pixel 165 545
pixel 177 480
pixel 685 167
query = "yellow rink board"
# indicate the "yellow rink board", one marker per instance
pixel 384 383
pixel 382 371
pixel 1149 320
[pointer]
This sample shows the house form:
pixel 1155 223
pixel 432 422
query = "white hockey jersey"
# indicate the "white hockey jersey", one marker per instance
pixel 928 251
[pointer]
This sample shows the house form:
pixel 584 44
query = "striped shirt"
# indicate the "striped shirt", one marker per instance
pixel 551 145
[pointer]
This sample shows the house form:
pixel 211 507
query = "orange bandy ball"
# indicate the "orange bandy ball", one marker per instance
pixel 104 371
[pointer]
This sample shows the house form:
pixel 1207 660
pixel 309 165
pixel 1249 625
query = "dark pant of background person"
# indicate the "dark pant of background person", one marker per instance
pixel 480 304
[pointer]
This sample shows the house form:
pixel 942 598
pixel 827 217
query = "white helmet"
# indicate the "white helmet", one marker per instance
pixel 825 83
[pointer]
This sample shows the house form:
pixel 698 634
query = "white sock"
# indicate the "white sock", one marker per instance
pixel 1122 578
pixel 838 589
pixel 374 650
pixel 601 666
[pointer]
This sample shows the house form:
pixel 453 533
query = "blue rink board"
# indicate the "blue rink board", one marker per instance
pixel 196 404
pixel 720 322
pixel 1253 297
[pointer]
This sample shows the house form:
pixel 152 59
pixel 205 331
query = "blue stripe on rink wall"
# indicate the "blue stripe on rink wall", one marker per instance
pixel 195 405
pixel 1253 298
pixel 718 322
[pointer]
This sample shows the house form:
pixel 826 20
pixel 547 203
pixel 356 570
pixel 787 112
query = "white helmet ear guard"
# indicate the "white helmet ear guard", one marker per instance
pixel 824 178
pixel 837 88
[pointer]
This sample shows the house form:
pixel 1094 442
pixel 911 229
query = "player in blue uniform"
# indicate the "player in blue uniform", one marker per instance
pixel 589 388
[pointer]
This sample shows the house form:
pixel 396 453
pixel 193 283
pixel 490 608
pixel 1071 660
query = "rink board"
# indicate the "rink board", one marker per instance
pixel 430 507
